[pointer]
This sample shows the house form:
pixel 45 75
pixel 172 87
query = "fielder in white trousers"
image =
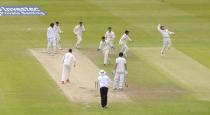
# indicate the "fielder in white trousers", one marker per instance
pixel 120 71
pixel 166 38
pixel 58 31
pixel 78 30
pixel 51 38
pixel 123 43
pixel 68 60
pixel 105 46
pixel 110 36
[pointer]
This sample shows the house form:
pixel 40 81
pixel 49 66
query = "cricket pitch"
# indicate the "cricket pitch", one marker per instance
pixel 82 77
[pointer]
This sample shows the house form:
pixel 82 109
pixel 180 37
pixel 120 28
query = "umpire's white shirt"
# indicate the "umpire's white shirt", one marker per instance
pixel 120 61
pixel 68 59
pixel 104 80
pixel 51 34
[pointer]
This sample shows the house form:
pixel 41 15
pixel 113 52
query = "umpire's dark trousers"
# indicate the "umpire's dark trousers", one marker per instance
pixel 103 92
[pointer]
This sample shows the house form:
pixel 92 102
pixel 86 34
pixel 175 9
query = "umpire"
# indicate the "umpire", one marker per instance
pixel 103 81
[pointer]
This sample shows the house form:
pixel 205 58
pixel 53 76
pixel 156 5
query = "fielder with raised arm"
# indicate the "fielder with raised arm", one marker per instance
pixel 120 71
pixel 58 31
pixel 123 43
pixel 110 36
pixel 51 38
pixel 78 30
pixel 166 38
pixel 105 46
pixel 68 60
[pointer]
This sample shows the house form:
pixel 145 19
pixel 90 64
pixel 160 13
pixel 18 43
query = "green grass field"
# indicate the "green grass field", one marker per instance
pixel 27 89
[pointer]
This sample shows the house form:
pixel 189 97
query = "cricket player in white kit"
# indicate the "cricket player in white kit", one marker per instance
pixel 51 38
pixel 105 46
pixel 78 30
pixel 110 36
pixel 166 38
pixel 68 61
pixel 58 31
pixel 120 71
pixel 123 43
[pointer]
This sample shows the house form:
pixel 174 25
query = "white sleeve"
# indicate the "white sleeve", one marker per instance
pixel 105 35
pixel 83 28
pixel 100 45
pixel 74 59
pixel 63 59
pixel 47 33
pixel 75 30
pixel 117 61
pixel 158 27
pixel 59 30
pixel 129 38
pixel 113 35
pixel 99 78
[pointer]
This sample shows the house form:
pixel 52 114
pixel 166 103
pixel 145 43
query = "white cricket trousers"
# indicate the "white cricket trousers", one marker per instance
pixel 66 72
pixel 110 42
pixel 166 45
pixel 58 41
pixel 79 40
pixel 51 46
pixel 124 48
pixel 106 56
pixel 119 80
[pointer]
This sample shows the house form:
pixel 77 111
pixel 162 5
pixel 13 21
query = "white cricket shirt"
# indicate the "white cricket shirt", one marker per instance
pixel 120 61
pixel 68 59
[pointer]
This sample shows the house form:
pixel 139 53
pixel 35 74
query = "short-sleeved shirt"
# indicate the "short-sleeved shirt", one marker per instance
pixel 104 81
pixel 120 61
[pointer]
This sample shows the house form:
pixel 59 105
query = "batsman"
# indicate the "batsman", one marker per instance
pixel 120 71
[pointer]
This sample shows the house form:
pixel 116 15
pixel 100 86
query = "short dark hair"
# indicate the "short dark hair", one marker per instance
pixel 51 24
pixel 121 54
pixel 161 27
pixel 57 22
pixel 126 31
pixel 81 22
pixel 109 27
pixel 103 38
pixel 70 50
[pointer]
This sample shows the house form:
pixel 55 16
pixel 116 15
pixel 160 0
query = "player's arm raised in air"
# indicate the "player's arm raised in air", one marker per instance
pixel 158 27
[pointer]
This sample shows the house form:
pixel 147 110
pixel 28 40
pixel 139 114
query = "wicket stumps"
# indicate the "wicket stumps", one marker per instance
pixel 96 88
